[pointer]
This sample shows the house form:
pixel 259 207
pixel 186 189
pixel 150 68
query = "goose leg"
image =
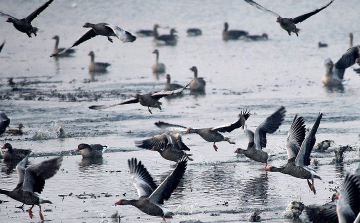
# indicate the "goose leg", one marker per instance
pixel 41 215
pixel 265 165
pixel 187 156
pixel 311 185
pixel 110 39
pixel 231 142
pixel 149 110
pixel 30 212
pixel 215 147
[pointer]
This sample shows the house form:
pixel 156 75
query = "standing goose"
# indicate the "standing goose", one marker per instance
pixel 170 40
pixel 102 29
pixel 91 151
pixel 4 122
pixel 96 66
pixel 258 140
pixel 148 100
pixel 158 67
pixel 288 24
pixel 9 153
pixel 209 134
pixel 169 86
pixel 32 182
pixel 334 73
pixel 198 83
pixel 24 24
pixel 56 50
pixel 151 197
pixel 299 166
pixel 232 34
pixel 170 147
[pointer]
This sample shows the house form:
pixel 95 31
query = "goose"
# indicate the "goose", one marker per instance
pixel 209 134
pixel 158 67
pixel 334 73
pixel 32 182
pixel 322 213
pixel 96 66
pixel 24 25
pixel 232 34
pixel 2 46
pixel 170 147
pixel 16 131
pixel 194 32
pixel 264 36
pixel 56 50
pixel 299 159
pixel 170 40
pixel 322 45
pixel 4 122
pixel 257 140
pixel 288 24
pixel 91 151
pixel 9 153
pixel 148 100
pixel 146 32
pixel 102 29
pixel 169 86
pixel 151 197
pixel 198 83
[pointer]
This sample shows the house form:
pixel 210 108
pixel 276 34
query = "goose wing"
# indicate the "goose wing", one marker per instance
pixel 307 15
pixel 325 213
pixel 7 15
pixel 20 168
pixel 128 101
pixel 295 137
pixel 161 94
pixel 141 178
pixel 178 140
pixel 262 8
pixel 270 125
pixel 123 35
pixel 35 175
pixel 243 116
pixel 158 141
pixel 33 15
pixel 346 60
pixel 165 189
pixel 303 157
pixel 170 127
pixel 86 36
pixel 349 197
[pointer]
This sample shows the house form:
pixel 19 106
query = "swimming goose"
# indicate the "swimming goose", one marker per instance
pixel 334 73
pixel 9 153
pixel 147 32
pixel 170 147
pixel 24 24
pixel 322 45
pixel 4 122
pixel 32 182
pixel 209 134
pixel 56 50
pixel 264 36
pixel 16 131
pixel 258 140
pixel 102 29
pixel 198 83
pixel 151 197
pixel 169 86
pixel 158 67
pixel 232 34
pixel 91 151
pixel 96 66
pixel 148 100
pixel 2 46
pixel 288 24
pixel 299 166
pixel 170 40
pixel 194 32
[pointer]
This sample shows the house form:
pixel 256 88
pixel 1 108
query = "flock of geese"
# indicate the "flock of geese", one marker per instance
pixel 299 145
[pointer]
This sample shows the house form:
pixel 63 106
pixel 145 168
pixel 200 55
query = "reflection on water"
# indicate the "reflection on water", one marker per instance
pixel 334 89
pixel 90 163
pixel 9 166
pixel 256 189
pixel 339 170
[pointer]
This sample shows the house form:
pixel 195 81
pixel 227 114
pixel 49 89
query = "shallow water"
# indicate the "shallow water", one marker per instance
pixel 259 76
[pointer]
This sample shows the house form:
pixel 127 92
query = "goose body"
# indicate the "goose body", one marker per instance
pixel 232 34
pixel 169 86
pixel 10 153
pixel 91 151
pixel 56 50
pixel 198 83
pixel 17 131
pixel 158 67
pixel 264 36
pixel 194 32
pixel 97 66
pixel 170 39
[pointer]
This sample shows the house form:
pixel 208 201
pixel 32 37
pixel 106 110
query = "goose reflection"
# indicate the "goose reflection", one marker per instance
pixel 9 166
pixel 334 88
pixel 256 189
pixel 90 163
pixel 220 178
pixel 339 170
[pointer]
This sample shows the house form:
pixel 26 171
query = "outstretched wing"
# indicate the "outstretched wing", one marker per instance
pixel 158 141
pixel 170 127
pixel 295 137
pixel 307 15
pixel 88 35
pixel 244 115
pixel 346 60
pixel 7 15
pixel 262 8
pixel 123 35
pixel 20 168
pixel 38 11
pixel 161 94
pixel 128 101
pixel 165 189
pixel 141 178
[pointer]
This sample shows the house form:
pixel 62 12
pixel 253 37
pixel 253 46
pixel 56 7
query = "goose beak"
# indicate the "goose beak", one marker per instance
pixel 267 169
pixel 118 203
pixel 153 148
pixel 236 151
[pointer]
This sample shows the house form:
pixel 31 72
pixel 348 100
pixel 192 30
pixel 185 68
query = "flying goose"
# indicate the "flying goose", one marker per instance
pixel 24 24
pixel 151 197
pixel 288 24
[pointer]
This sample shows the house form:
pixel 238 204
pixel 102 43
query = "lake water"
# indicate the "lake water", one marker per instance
pixel 258 76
